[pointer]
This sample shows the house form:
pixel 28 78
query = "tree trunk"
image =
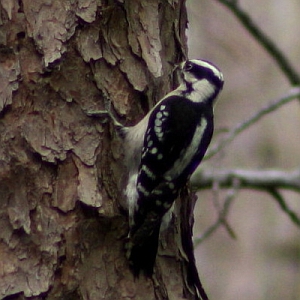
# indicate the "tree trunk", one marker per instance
pixel 62 211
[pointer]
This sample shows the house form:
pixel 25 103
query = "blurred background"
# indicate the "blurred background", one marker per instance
pixel 263 262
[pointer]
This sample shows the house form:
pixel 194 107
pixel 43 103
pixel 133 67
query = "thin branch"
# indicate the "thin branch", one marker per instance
pixel 269 181
pixel 278 197
pixel 265 41
pixel 221 217
pixel 291 95
pixel 198 240
pixel 255 179
pixel 222 213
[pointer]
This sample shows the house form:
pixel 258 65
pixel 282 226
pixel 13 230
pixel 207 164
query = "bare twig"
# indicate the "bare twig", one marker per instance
pixel 291 95
pixel 255 179
pixel 278 197
pixel 265 41
pixel 222 216
pixel 269 181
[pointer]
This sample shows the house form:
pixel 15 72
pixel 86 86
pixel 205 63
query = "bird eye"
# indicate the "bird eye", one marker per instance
pixel 188 66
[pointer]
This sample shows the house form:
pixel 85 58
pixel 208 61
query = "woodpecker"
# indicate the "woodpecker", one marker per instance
pixel 162 152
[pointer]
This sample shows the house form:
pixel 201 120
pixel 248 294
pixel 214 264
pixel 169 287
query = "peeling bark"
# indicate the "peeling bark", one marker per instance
pixel 62 213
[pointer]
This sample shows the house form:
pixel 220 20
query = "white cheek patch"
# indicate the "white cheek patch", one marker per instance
pixel 188 77
pixel 202 90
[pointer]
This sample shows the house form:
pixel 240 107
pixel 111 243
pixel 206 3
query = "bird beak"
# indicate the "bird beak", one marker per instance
pixel 175 66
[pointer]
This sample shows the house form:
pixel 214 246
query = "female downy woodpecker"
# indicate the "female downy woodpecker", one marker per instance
pixel 163 150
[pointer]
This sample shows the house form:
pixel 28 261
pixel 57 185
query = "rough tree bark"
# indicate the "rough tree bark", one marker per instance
pixel 62 214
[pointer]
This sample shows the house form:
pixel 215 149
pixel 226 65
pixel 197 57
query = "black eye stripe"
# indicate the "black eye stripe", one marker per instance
pixel 188 66
pixel 202 72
